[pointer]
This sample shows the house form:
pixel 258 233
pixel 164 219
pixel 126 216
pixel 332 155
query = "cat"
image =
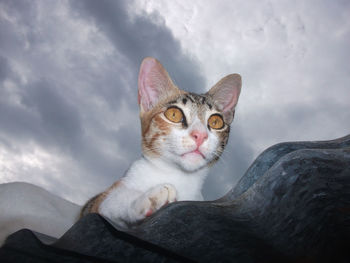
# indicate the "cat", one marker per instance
pixel 183 134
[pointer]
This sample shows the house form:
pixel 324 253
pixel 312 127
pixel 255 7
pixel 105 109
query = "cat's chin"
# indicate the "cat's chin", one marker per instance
pixel 192 161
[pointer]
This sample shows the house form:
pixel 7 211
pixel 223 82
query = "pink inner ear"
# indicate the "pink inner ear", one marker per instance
pixel 226 92
pixel 147 82
pixel 232 102
pixel 227 96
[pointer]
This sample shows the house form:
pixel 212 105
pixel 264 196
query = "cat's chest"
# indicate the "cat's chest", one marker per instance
pixel 142 176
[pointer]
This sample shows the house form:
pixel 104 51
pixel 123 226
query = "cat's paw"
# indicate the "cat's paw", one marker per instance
pixel 154 199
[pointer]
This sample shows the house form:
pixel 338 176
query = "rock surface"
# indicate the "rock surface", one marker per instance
pixel 292 205
pixel 24 205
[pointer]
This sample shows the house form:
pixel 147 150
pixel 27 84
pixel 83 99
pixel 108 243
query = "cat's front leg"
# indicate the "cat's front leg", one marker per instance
pixel 152 200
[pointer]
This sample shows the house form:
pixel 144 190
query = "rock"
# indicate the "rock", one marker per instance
pixel 91 239
pixel 292 205
pixel 29 206
pixel 271 155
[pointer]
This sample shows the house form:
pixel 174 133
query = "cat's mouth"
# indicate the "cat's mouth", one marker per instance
pixel 195 152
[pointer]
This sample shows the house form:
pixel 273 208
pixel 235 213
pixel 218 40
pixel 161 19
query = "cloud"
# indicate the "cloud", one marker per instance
pixel 68 81
pixel 4 68
pixel 68 73
pixel 135 37
pixel 292 57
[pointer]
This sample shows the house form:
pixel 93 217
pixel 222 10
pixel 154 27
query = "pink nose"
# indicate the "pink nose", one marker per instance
pixel 199 137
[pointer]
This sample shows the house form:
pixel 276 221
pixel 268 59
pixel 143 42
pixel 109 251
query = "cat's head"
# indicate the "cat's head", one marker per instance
pixel 185 129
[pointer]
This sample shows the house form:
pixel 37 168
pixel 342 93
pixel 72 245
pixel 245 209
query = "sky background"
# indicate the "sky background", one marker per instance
pixel 68 81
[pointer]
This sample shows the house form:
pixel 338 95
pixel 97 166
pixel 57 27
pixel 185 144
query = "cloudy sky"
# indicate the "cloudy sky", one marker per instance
pixel 68 81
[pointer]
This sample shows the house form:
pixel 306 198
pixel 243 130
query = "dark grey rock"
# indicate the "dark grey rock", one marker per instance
pixel 271 155
pixel 91 239
pixel 292 205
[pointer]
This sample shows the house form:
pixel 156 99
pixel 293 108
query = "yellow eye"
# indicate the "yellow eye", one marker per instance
pixel 174 114
pixel 216 122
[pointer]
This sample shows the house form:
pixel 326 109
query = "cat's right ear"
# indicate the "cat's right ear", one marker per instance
pixel 154 84
pixel 225 95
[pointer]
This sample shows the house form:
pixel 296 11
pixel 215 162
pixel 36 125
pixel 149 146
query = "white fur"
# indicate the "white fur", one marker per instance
pixel 146 179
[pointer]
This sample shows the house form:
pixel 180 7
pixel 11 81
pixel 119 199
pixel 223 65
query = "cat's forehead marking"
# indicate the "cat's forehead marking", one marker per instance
pixel 188 96
pixel 201 99
pixel 193 98
pixel 203 102
pixel 172 102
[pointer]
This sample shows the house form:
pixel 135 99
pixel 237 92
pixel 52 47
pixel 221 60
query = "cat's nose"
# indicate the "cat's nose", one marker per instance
pixel 199 136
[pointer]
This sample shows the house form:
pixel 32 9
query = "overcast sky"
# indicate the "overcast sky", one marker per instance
pixel 68 81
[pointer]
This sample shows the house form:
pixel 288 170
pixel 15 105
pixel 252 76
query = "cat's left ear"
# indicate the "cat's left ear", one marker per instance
pixel 225 95
pixel 154 84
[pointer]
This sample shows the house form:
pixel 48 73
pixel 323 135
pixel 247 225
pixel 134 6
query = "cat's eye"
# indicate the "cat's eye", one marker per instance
pixel 215 121
pixel 174 114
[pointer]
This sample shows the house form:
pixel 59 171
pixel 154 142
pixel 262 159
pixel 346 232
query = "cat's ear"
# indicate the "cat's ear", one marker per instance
pixel 225 95
pixel 154 84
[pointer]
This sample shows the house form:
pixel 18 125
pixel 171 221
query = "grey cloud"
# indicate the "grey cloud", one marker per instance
pixel 138 37
pixel 17 123
pixel 58 118
pixel 4 68
pixel 68 106
pixel 43 116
